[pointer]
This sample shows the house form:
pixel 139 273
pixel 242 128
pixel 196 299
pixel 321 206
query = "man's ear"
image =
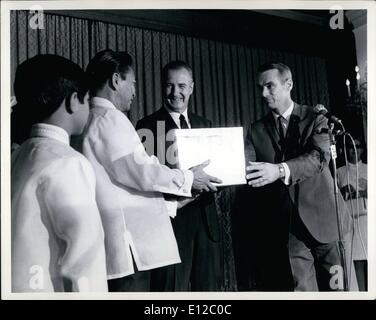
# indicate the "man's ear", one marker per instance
pixel 289 84
pixel 72 103
pixel 192 86
pixel 114 81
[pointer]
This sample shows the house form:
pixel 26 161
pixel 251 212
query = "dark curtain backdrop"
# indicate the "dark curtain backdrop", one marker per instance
pixel 224 74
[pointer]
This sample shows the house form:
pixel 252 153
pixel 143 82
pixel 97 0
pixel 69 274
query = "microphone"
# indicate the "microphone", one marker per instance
pixel 320 109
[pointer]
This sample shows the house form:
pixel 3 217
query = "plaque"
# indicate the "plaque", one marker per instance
pixel 224 147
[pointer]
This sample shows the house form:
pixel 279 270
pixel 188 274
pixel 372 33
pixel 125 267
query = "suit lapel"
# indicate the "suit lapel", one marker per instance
pixel 165 116
pixel 167 142
pixel 271 129
pixel 193 121
pixel 294 132
pixel 295 118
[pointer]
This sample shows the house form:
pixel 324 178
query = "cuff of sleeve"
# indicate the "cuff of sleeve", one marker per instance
pixel 286 180
pixel 172 206
pixel 188 181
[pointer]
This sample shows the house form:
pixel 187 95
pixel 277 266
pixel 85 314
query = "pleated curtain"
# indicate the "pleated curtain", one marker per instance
pixel 224 73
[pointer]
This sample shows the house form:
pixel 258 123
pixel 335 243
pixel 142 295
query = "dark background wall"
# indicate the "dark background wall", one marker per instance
pixel 321 58
pixel 304 32
pixel 225 47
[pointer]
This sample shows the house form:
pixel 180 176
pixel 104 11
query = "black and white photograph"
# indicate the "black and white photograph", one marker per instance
pixel 95 201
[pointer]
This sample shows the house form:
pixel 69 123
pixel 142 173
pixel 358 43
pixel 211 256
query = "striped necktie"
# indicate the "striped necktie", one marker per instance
pixel 282 133
pixel 183 122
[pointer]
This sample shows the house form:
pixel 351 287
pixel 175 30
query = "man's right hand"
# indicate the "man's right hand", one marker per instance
pixel 201 180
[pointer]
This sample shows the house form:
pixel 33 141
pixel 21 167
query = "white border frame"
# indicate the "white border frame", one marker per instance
pixel 6 6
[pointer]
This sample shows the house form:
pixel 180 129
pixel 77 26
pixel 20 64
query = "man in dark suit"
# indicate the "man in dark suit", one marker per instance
pixel 196 223
pixel 294 189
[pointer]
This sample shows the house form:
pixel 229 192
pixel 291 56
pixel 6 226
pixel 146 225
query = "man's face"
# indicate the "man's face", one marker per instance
pixel 127 90
pixel 177 89
pixel 275 92
pixel 351 154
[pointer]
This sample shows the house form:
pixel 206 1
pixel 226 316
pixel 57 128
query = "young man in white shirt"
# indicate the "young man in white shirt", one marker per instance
pixel 351 178
pixel 131 183
pixel 57 235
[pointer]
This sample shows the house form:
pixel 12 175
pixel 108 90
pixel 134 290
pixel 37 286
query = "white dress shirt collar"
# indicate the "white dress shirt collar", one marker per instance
pixel 45 130
pixel 354 164
pixel 287 114
pixel 175 116
pixel 102 102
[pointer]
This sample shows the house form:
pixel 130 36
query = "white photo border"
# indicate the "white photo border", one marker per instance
pixel 7 6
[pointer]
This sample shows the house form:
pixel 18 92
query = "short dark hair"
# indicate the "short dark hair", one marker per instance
pixel 41 84
pixel 284 70
pixel 361 142
pixel 104 64
pixel 175 65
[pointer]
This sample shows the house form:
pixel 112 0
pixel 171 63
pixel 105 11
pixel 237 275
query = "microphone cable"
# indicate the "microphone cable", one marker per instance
pixel 356 190
pixel 354 215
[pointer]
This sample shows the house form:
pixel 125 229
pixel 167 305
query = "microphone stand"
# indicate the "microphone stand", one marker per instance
pixel 333 154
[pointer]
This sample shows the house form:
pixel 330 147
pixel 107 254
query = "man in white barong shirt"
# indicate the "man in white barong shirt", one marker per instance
pixel 56 231
pixel 130 183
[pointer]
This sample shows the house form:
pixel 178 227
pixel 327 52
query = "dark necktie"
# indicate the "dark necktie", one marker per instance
pixel 281 128
pixel 183 122
pixel 281 132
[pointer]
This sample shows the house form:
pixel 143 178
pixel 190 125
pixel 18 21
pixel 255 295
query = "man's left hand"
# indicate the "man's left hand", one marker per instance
pixel 261 173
